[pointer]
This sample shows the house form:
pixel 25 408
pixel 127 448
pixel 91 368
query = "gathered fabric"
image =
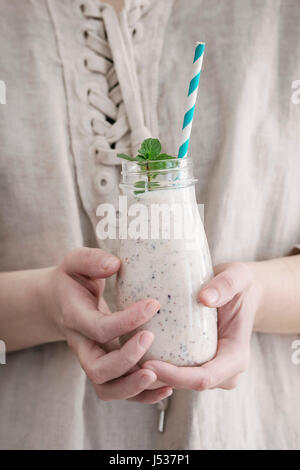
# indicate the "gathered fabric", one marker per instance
pixel 115 93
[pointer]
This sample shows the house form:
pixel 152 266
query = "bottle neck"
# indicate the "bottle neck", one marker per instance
pixel 156 175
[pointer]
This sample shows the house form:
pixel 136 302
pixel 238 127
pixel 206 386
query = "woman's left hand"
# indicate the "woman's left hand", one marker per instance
pixel 236 295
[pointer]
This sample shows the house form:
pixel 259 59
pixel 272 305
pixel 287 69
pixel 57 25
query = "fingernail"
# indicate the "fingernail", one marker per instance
pixel 152 307
pixel 110 262
pixel 146 378
pixel 170 392
pixel 210 294
pixel 145 340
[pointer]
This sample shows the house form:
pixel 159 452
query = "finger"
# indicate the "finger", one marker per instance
pixel 86 350
pixel 103 367
pixel 94 286
pixel 228 363
pixel 157 384
pixel 104 309
pixel 117 363
pixel 175 377
pixel 91 262
pixel 152 396
pixel 125 321
pixel 81 314
pixel 223 287
pixel 126 387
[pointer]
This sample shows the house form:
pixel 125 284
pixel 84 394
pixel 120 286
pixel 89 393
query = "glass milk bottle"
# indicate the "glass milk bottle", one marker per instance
pixel 164 255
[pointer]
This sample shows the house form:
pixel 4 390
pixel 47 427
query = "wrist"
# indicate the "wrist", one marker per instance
pixel 257 291
pixel 279 307
pixel 48 304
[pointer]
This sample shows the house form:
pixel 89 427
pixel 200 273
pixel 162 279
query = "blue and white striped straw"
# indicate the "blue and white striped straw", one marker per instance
pixel 191 100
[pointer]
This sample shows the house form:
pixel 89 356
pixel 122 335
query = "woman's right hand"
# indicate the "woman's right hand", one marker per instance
pixel 92 331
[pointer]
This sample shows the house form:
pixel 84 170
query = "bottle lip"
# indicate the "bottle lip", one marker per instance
pixel 173 164
pixel 177 173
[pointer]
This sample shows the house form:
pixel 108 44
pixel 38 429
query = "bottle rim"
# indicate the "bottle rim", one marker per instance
pixel 178 163
pixel 178 174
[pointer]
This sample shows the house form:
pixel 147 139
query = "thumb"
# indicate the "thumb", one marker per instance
pixel 222 288
pixel 91 262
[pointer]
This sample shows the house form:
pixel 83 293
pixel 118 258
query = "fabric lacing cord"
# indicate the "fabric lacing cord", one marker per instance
pixel 118 124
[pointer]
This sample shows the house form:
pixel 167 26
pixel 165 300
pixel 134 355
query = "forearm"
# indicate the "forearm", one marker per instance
pixel 278 282
pixel 25 318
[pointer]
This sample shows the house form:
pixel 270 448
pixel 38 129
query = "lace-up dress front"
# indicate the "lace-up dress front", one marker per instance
pixel 114 92
pixel 111 95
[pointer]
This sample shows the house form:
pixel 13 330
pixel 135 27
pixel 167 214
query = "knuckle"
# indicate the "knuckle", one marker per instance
pixel 94 374
pixel 129 359
pixel 203 383
pixel 228 281
pixel 101 327
pixel 68 315
pixel 133 317
pixel 130 320
pixel 102 331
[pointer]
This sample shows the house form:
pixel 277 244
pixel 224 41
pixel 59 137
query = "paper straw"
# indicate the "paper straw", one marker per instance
pixel 191 100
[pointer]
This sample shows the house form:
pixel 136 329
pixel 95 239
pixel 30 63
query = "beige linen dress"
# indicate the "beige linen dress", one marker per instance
pixel 83 83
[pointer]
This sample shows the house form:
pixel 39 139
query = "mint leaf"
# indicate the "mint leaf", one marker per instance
pixel 141 158
pixel 126 157
pixel 150 149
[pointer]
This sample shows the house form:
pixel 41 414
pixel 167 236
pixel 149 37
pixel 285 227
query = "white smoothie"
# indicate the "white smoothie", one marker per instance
pixel 171 271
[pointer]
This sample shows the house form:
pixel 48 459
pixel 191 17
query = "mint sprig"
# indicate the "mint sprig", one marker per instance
pixel 150 150
pixel 149 158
